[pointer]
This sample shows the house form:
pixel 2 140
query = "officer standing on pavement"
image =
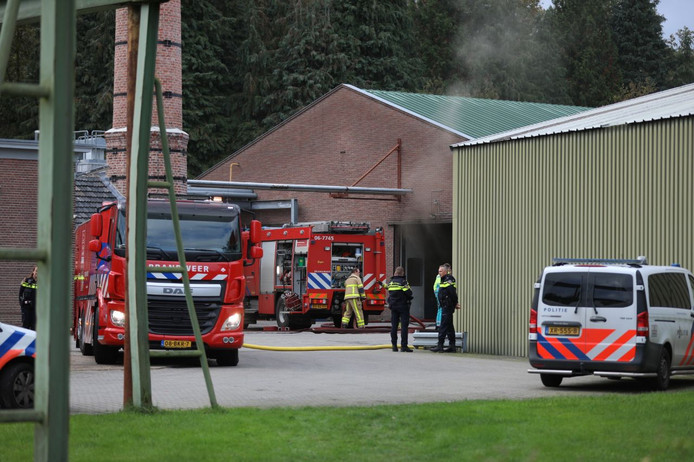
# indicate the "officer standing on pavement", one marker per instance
pixel 354 296
pixel 448 299
pixel 399 299
pixel 443 269
pixel 27 300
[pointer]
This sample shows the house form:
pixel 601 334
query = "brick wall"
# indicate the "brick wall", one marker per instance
pixel 18 209
pixel 335 142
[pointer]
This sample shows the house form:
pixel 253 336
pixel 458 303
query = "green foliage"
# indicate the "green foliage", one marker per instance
pixel 680 63
pixel 207 119
pixel 94 71
pixel 582 30
pixel 248 65
pixel 19 115
pixel 637 33
pixel 618 427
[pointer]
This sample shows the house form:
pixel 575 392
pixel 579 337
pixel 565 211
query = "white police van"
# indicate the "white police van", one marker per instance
pixel 612 318
pixel 17 353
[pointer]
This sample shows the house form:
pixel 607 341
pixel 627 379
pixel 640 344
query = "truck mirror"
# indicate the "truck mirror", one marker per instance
pixel 94 245
pixel 256 229
pixel 256 252
pixel 95 225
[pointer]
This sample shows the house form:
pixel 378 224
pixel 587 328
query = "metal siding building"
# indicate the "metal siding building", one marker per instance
pixel 614 189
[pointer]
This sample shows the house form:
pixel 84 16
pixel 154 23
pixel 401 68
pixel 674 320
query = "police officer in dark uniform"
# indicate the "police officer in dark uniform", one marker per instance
pixel 448 299
pixel 399 299
pixel 27 300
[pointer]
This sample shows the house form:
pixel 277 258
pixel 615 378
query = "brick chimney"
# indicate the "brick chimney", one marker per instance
pixel 168 70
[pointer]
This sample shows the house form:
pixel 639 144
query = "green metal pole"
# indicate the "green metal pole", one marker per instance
pixel 179 245
pixel 137 213
pixel 9 21
pixel 55 229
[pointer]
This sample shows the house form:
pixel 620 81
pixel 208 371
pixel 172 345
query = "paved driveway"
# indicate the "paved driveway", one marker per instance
pixel 330 378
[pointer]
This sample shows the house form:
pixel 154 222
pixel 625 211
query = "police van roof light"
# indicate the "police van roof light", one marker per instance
pixel 641 260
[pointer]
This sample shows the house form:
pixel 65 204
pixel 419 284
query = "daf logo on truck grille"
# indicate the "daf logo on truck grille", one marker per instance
pixel 177 290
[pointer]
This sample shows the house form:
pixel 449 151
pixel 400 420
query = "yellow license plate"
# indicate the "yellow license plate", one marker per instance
pixel 319 306
pixel 564 330
pixel 176 343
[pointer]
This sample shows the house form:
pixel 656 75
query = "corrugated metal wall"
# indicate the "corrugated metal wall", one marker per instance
pixel 615 192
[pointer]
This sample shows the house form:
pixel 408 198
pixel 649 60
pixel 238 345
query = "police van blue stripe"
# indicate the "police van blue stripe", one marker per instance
pixel 319 281
pixel 548 346
pixel 11 341
pixel 573 348
pixel 31 349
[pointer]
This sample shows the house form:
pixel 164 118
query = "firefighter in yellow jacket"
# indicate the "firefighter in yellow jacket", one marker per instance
pixel 354 295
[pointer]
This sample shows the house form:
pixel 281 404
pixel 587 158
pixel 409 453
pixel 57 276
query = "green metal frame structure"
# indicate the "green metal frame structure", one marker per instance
pixel 55 201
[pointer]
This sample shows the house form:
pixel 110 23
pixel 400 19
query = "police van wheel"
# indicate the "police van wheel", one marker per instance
pixel 661 382
pixel 17 386
pixel 551 380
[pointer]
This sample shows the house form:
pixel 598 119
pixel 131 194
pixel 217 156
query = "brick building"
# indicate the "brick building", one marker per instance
pixel 344 138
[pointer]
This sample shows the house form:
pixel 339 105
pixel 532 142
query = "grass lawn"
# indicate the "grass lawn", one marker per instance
pixel 636 427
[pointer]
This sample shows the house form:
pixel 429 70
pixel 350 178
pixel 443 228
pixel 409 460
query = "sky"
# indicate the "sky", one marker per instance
pixel 678 13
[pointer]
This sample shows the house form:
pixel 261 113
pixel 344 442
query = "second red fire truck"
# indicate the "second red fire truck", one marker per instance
pixel 301 275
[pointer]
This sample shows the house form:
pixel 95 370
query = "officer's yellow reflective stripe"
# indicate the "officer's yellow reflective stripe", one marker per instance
pixel 447 284
pixel 28 286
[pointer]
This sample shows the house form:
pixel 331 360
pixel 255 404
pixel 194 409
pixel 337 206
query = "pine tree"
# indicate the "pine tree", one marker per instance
pixel 637 33
pixel 680 59
pixel 582 30
pixel 94 71
pixel 378 41
pixel 19 115
pixel 205 78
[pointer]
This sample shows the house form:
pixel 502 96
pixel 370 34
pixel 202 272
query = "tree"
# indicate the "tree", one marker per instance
pixel 680 61
pixel 502 55
pixel 206 120
pixel 94 71
pixel 637 32
pixel 19 115
pixel 377 38
pixel 435 24
pixel 590 56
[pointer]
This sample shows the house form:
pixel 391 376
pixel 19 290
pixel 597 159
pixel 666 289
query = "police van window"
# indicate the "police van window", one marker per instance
pixel 691 284
pixel 612 290
pixel 668 289
pixel 562 289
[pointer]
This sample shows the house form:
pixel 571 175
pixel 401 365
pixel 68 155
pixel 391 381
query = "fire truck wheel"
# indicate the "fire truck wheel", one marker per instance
pixel 227 357
pixel 84 347
pixel 103 354
pixel 302 321
pixel 281 314
pixel 17 386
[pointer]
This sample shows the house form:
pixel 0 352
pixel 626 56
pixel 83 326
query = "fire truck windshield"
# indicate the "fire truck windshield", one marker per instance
pixel 206 237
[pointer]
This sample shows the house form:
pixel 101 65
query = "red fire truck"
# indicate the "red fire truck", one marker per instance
pixel 302 273
pixel 216 249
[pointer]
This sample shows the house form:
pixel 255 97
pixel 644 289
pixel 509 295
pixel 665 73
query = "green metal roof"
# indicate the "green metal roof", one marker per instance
pixel 474 117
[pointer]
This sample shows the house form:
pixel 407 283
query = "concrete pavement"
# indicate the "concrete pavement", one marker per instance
pixel 329 378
